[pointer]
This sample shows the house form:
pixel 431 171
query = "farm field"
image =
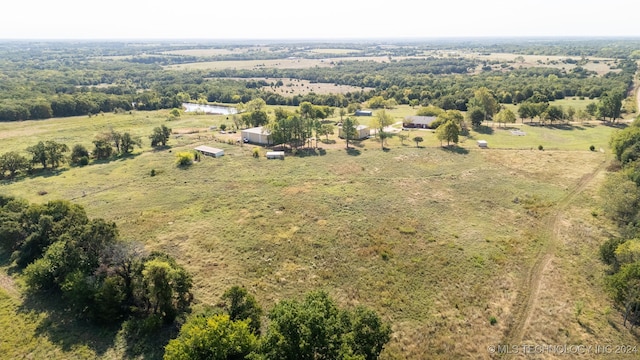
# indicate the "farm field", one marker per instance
pixel 437 241
pixel 292 87
pixel 600 65
pixel 295 63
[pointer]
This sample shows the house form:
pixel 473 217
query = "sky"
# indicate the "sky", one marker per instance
pixel 325 19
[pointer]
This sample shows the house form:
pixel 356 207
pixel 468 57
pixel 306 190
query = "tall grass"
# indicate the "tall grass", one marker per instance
pixel 435 240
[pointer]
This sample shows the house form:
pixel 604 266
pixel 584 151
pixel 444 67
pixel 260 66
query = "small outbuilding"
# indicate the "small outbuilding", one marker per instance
pixel 209 151
pixel 275 155
pixel 483 143
pixel 257 135
pixel 364 113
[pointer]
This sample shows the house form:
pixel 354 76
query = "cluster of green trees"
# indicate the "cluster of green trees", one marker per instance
pixel 51 154
pixel 48 154
pixel 295 128
pixel 61 252
pixel 314 328
pixel 620 196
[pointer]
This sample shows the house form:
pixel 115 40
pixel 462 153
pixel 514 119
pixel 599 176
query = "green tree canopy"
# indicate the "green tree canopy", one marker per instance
pixel 12 162
pixel 160 136
pixel 216 337
pixel 240 305
pixel 349 129
pixel 506 116
pixel 317 329
pixel 449 132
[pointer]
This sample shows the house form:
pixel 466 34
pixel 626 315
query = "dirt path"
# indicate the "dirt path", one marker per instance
pixel 529 294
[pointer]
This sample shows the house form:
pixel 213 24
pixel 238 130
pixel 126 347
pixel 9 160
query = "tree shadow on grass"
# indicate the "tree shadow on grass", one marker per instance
pixel 356 143
pixel 455 149
pixel 64 328
pixel 143 344
pixel 353 152
pixel 311 152
pixel 45 173
pixel 160 148
pixel 564 127
pixel 484 129
pixel 33 174
pixel 122 157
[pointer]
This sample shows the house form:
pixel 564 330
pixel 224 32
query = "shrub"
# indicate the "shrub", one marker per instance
pixel 493 320
pixel 540 147
pixel 153 172
pixel 83 161
pixel 592 148
pixel 256 152
pixel 185 158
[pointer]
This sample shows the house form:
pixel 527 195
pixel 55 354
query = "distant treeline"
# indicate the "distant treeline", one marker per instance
pixel 39 82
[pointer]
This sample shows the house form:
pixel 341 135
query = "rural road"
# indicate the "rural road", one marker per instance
pixel 529 292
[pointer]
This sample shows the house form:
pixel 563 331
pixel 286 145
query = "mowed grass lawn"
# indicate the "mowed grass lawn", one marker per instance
pixel 437 241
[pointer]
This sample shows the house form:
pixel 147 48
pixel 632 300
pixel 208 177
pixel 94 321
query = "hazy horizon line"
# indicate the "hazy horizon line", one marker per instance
pixel 341 39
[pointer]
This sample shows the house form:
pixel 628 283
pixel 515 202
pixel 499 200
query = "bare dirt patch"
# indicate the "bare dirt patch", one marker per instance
pixel 7 284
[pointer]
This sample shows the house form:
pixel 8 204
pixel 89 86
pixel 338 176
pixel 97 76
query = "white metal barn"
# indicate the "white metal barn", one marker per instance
pixel 209 151
pixel 257 135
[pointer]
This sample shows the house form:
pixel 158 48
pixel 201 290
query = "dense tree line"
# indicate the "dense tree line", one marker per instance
pixel 52 154
pixel 67 79
pixel 621 202
pixel 314 328
pixel 61 252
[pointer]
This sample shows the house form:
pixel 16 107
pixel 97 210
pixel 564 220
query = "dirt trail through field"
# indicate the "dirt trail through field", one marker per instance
pixel 530 289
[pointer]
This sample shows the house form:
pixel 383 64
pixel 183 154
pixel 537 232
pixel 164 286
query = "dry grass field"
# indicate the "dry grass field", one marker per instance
pixel 296 63
pixel 438 241
pixel 292 87
pixel 600 65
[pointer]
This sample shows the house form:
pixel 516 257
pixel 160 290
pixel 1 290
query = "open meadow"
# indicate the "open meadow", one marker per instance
pixel 438 241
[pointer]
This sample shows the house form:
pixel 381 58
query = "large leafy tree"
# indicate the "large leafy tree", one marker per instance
pixel 216 337
pixel 484 100
pixel 79 152
pixel 610 106
pixel 620 198
pixel 626 144
pixel 12 162
pixel 55 153
pixel 317 329
pixel 382 121
pixel 38 154
pixel 349 129
pixel 449 132
pixel 160 136
pixel 102 148
pixel 506 116
pixel 240 305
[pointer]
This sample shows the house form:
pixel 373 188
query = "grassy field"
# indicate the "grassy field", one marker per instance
pixel 600 65
pixel 297 63
pixel 437 241
pixel 292 87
